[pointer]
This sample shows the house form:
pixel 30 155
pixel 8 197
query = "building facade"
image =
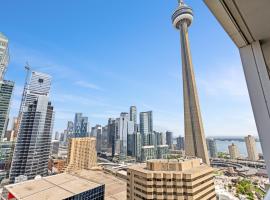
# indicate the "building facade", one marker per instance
pixel 171 179
pixel 162 151
pixel 55 147
pixel 96 132
pixel 180 143
pixel 113 136
pixel 233 151
pixel 81 125
pixel 146 125
pixel 148 153
pixel 251 148
pixel 212 147
pixel 6 90
pixel 39 85
pixel 33 144
pixel 81 154
pixel 138 145
pixel 6 87
pixel 169 139
pixel 4 55
pixel 160 138
pixel 133 116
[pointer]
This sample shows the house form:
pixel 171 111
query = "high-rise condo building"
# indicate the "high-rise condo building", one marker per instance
pixel 169 139
pixel 81 125
pixel 251 148
pixel 126 127
pixel 6 87
pixel 97 133
pixel 133 116
pixel 180 143
pixel 195 143
pixel 233 151
pixel 32 148
pixel 212 147
pixel 137 145
pixel 70 128
pixel 39 84
pixel 151 139
pixel 114 137
pixel 131 144
pixel 104 138
pixel 171 179
pixel 81 154
pixel 146 125
pixel 4 55
pixel 6 90
pixel 160 138
pixel 33 143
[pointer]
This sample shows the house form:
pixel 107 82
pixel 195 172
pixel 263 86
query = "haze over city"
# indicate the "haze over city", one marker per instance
pixel 101 67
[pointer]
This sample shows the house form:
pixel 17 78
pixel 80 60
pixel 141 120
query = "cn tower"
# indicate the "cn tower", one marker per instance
pixel 195 143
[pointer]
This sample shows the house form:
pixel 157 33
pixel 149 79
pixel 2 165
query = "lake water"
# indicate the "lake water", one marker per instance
pixel 222 146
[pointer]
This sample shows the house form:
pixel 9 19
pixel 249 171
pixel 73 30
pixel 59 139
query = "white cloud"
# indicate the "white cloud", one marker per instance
pixel 224 82
pixel 78 100
pixel 88 85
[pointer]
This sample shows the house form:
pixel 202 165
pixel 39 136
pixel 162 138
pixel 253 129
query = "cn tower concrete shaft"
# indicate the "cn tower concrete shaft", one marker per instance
pixel 195 143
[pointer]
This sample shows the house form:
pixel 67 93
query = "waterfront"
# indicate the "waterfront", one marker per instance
pixel 222 146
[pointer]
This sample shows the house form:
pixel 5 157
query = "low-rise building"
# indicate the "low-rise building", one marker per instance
pixel 171 179
pixel 62 186
pixel 148 153
pixel 57 165
pixel 81 154
pixel 162 151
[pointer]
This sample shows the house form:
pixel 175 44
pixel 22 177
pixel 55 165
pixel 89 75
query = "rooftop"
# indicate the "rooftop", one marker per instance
pixel 55 187
pixel 187 166
pixel 114 188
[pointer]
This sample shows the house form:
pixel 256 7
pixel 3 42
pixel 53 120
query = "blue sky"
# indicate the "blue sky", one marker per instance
pixel 107 55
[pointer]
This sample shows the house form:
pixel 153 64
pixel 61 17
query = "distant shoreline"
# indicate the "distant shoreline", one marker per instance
pixel 232 138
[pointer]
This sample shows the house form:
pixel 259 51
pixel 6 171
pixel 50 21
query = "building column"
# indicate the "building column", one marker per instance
pixel 258 83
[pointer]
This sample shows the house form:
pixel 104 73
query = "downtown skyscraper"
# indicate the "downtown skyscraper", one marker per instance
pixel 146 126
pixel 195 143
pixel 6 87
pixel 33 144
pixel 133 116
pixel 81 126
pixel 251 148
pixel 4 55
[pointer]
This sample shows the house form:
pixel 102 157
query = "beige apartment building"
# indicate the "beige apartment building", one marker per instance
pixel 81 154
pixel 234 152
pixel 173 179
pixel 251 148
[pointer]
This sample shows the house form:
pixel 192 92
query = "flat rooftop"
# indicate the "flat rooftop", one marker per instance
pixel 187 166
pixel 115 188
pixel 55 187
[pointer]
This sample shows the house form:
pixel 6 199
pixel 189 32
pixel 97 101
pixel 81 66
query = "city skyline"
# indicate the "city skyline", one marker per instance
pixel 85 84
